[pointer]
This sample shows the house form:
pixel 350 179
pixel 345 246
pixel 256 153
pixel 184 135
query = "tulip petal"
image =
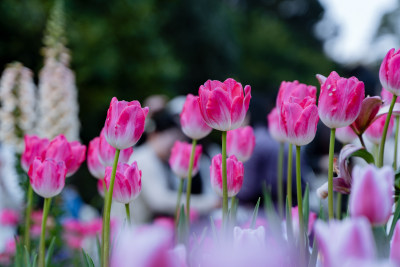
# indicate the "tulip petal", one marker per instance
pixel 218 110
pixel 129 126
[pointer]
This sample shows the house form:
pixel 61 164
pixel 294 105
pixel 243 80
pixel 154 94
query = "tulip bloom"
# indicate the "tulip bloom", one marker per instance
pixel 180 157
pixel 375 131
pixel 48 177
pixel 387 97
pixel 372 193
pixel 34 147
pixel 345 135
pixel 296 90
pixel 9 217
pixel 107 152
pixel 298 120
pixel 94 165
pixel 128 183
pixel 223 104
pixel 125 123
pixel 340 100
pixel 249 237
pixel 241 143
pixel 71 153
pixel 274 127
pixel 235 172
pixel 192 122
pixel 389 72
pixel 395 246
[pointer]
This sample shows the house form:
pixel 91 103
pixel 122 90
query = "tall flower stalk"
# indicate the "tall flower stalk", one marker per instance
pixel 46 208
pixel 300 206
pixel 385 130
pixel 189 180
pixel 330 174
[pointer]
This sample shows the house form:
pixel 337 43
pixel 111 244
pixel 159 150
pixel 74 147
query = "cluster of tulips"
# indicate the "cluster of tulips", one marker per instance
pixel 369 235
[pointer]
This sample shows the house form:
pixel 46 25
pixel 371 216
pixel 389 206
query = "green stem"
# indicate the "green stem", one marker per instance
pixel 396 142
pixel 289 191
pixel 104 219
pixel 330 174
pixel 128 213
pixel 107 213
pixel 224 182
pixel 338 205
pixel 383 140
pixel 178 202
pixel 280 178
pixel 27 239
pixel 300 206
pixel 189 180
pixel 46 207
pixel 376 152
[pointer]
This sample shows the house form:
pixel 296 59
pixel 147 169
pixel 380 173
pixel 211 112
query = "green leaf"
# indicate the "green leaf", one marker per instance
pixel 182 226
pixel 396 217
pixel 255 213
pixel 98 244
pixel 289 225
pixel 364 154
pixel 87 259
pixel 50 251
pixel 34 261
pixel 233 211
pixel 314 254
pixel 272 216
pixel 306 207
pixel 27 258
pixel 381 241
pixel 321 214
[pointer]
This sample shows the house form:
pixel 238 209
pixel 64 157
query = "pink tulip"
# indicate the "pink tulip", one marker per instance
pixel 249 237
pixel 372 193
pixel 241 143
pixel 94 165
pixel 125 123
pixel 71 153
pixel 312 217
pixel 223 105
pixel 370 106
pixel 298 120
pixel 342 241
pixel 107 152
pixel 345 135
pixel 180 157
pixel 235 173
pixel 100 187
pixel 389 72
pixel 375 131
pixel 128 183
pixel 387 97
pixel 34 147
pixel 296 90
pixel 9 217
pixel 48 177
pixel 340 100
pixel 395 246
pixel 8 253
pixel 274 126
pixel 192 122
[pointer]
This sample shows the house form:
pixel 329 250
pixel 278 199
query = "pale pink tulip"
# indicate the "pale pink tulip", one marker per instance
pixel 192 122
pixel 235 172
pixel 48 177
pixel 372 193
pixel 387 97
pixel 180 159
pixel 34 147
pixel 125 123
pixel 389 72
pixel 100 187
pixel 241 142
pixel 370 106
pixel 94 165
pixel 345 135
pixel 395 245
pixel 340 100
pixel 9 217
pixel 249 237
pixel 375 130
pixel 274 127
pixel 128 182
pixel 107 152
pixel 223 105
pixel 296 90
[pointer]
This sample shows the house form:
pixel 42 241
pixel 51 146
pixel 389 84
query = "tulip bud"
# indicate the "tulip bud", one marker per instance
pixel 388 72
pixel 241 143
pixel 34 147
pixel 192 122
pixel 94 165
pixel 180 159
pixel 274 127
pixel 235 173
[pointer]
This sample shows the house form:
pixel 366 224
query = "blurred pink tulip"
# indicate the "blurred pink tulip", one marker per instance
pixel 71 153
pixel 107 152
pixel 387 97
pixel 340 100
pixel 296 90
pixel 48 177
pixel 372 193
pixel 249 237
pixel 100 187
pixel 370 106
pixel 125 123
pixel 345 135
pixel 274 127
pixel 395 245
pixel 241 142
pixel 9 217
pixel 389 72
pixel 298 120
pixel 94 165
pixel 192 122
pixel 375 130
pixel 180 158
pixel 312 217
pixel 223 105
pixel 34 147
pixel 128 183
pixel 235 173
pixel 342 241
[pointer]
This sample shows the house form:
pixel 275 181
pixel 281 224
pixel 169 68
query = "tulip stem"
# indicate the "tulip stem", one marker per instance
pixel 338 205
pixel 330 174
pixel 362 141
pixel 46 208
pixel 396 142
pixel 224 182
pixel 29 200
pixel 289 225
pixel 107 213
pixel 300 205
pixel 189 181
pixel 280 178
pixel 178 202
pixel 128 213
pixel 104 218
pixel 385 129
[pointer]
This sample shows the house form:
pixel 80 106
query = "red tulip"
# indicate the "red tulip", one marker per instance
pixel 340 100
pixel 224 105
pixel 34 147
pixel 94 165
pixel 345 135
pixel 180 157
pixel 192 122
pixel 235 173
pixel 107 152
pixel 375 131
pixel 294 89
pixel 128 183
pixel 274 126
pixel 241 143
pixel 389 72
pixel 125 123
pixel 48 177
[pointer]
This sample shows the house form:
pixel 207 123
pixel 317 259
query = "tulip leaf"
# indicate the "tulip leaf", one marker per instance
pixel 364 154
pixel 233 210
pixel 50 251
pixel 98 244
pixel 182 226
pixel 306 207
pixel 321 214
pixel 255 214
pixel 87 259
pixel 381 241
pixel 27 257
pixel 396 217
pixel 34 260
pixel 272 216
pixel 314 254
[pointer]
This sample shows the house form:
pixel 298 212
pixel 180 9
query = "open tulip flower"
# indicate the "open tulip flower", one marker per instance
pixel 96 168
pixel 296 90
pixel 34 147
pixel 241 143
pixel 389 72
pixel 192 122
pixel 375 130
